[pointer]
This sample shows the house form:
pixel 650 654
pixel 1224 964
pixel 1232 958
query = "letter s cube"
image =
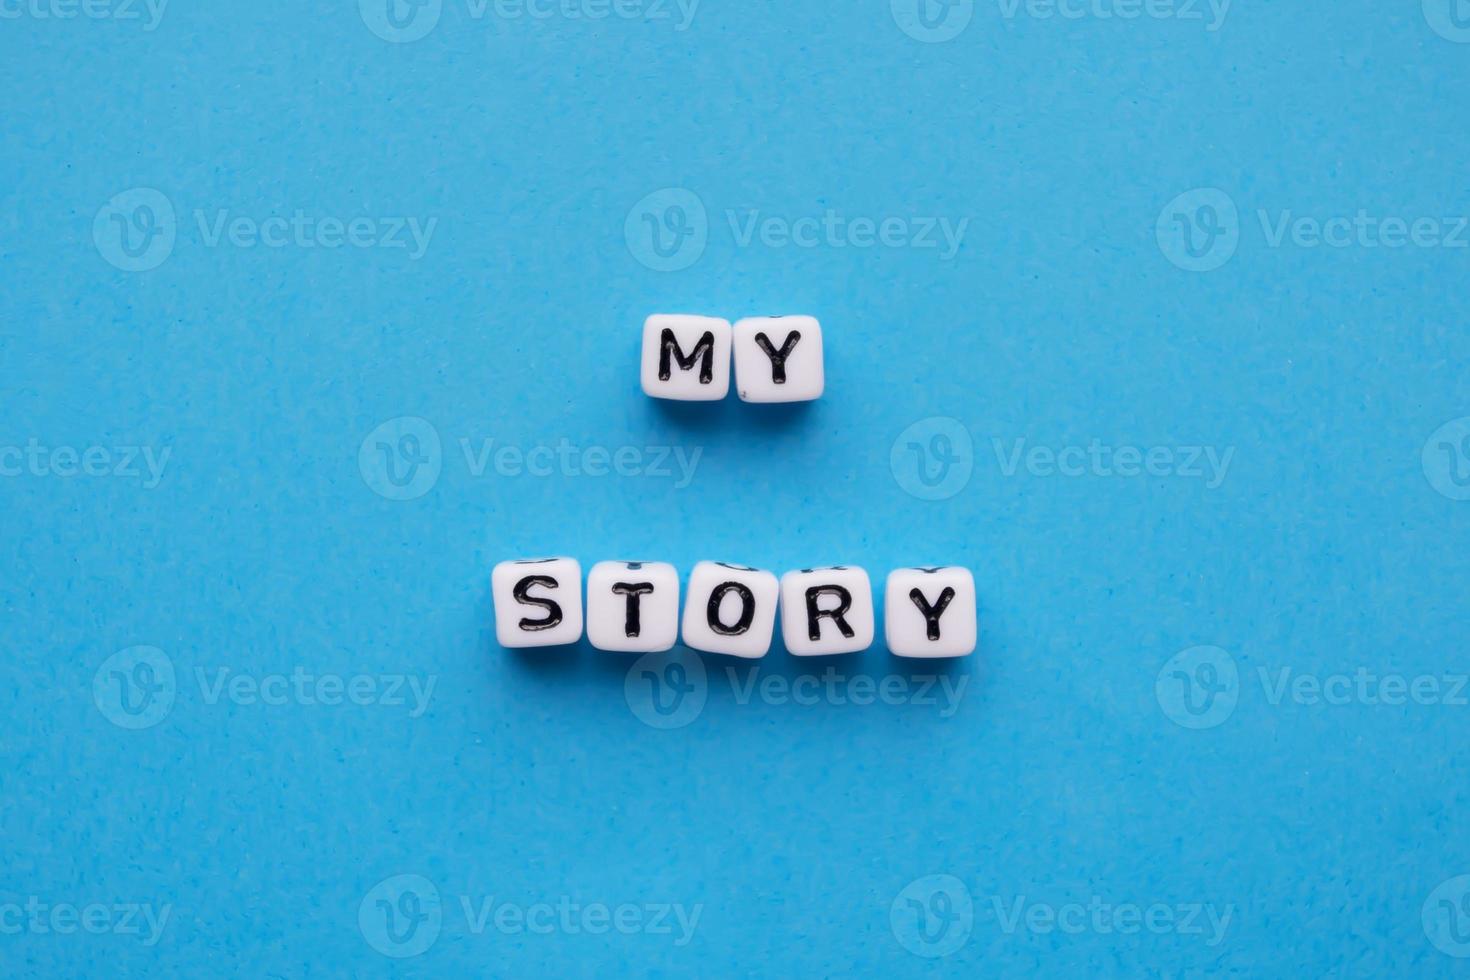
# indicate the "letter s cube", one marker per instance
pixel 538 602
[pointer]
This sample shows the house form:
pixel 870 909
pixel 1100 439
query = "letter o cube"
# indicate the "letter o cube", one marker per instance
pixel 538 602
pixel 930 612
pixel 730 609
pixel 826 611
pixel 686 357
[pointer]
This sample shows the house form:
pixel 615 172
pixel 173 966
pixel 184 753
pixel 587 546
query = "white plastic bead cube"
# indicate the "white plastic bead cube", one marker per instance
pixel 778 359
pixel 538 602
pixel 730 609
pixel 826 611
pixel 930 612
pixel 686 357
pixel 633 606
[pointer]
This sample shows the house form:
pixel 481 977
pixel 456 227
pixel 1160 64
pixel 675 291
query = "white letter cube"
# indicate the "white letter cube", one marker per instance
pixel 633 606
pixel 836 603
pixel 930 612
pixel 779 359
pixel 538 602
pixel 686 357
pixel 730 609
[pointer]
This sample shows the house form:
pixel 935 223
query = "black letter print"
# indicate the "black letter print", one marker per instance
pixel 705 349
pixel 553 608
pixel 747 609
pixel 932 613
pixel 778 357
pixel 813 614
pixel 632 625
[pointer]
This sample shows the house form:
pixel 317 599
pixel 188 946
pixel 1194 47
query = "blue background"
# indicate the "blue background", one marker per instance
pixel 1061 319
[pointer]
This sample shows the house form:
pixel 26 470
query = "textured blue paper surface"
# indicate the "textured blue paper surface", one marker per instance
pixel 1151 313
